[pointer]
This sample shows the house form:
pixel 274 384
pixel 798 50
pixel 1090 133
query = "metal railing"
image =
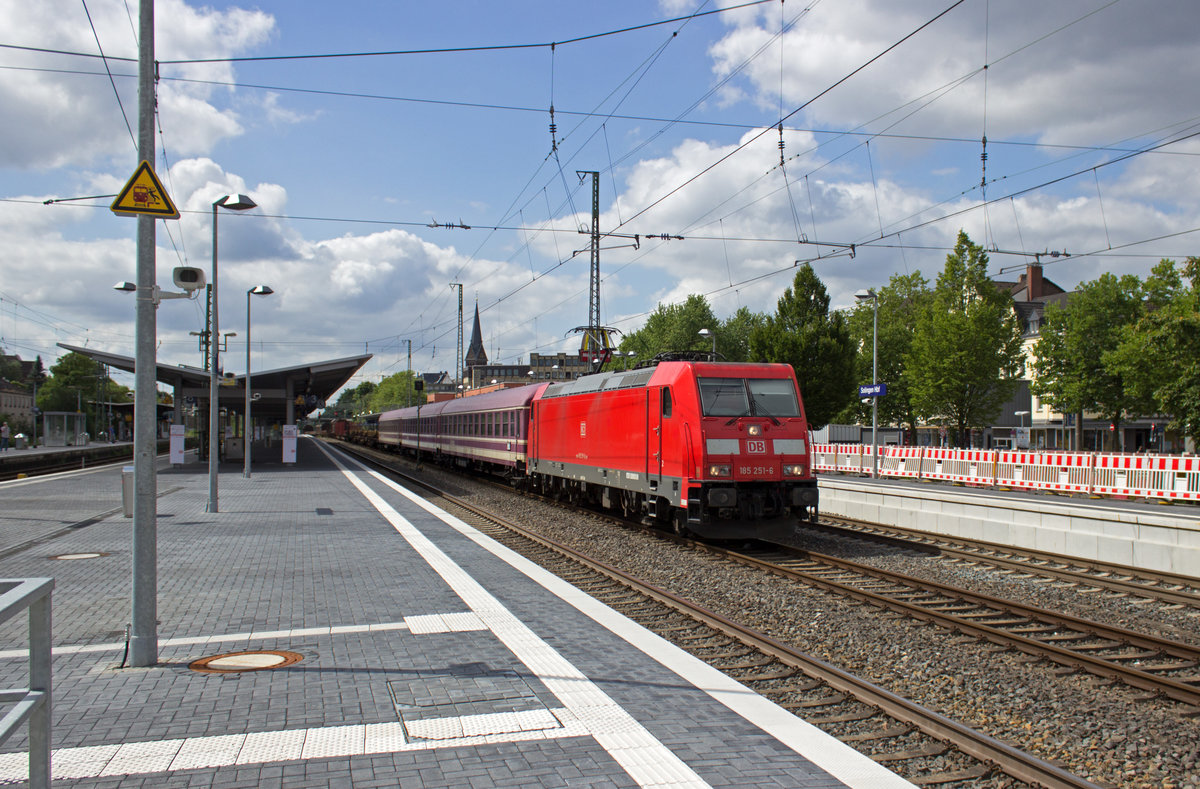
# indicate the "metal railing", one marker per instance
pixel 31 704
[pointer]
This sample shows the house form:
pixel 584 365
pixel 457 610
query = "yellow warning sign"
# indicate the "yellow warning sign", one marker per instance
pixel 144 194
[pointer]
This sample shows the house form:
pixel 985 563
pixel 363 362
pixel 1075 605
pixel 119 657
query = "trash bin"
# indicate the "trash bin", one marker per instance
pixel 19 441
pixel 127 490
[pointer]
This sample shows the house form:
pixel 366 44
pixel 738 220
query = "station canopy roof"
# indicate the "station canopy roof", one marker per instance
pixel 312 384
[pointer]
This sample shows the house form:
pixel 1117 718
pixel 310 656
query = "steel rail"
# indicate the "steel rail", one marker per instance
pixel 895 535
pixel 1183 692
pixel 1010 760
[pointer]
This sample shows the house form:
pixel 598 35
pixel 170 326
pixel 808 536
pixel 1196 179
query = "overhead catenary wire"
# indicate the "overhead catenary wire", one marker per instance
pixel 560 111
pixel 524 226
pixel 112 81
pixel 795 111
pixel 482 48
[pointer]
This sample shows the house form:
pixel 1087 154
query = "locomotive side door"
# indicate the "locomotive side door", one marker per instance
pixel 654 439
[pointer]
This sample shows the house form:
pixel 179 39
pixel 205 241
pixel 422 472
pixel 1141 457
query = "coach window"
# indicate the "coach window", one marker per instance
pixel 666 402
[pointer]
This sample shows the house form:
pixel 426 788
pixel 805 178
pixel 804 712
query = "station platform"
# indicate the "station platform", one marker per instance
pixel 1153 536
pixel 43 449
pixel 392 645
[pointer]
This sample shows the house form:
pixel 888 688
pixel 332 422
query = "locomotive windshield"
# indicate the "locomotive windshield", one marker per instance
pixel 769 397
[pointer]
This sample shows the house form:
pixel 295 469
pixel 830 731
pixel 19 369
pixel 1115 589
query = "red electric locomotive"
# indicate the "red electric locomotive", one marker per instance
pixel 719 449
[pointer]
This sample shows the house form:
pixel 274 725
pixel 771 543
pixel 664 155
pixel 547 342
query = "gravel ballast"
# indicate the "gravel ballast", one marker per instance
pixel 1106 732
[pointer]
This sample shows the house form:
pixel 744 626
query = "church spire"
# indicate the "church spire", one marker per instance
pixel 476 355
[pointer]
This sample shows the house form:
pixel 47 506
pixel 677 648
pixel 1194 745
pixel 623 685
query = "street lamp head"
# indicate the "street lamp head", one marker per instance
pixel 865 295
pixel 235 202
pixel 704 333
pixel 261 290
pixel 127 287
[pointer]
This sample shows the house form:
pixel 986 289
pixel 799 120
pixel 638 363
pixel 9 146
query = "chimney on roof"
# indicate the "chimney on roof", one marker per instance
pixel 1033 282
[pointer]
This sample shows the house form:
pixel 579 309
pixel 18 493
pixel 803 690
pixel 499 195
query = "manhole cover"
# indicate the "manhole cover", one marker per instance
pixel 233 662
pixel 72 556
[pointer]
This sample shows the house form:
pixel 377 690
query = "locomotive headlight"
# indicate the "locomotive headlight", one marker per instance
pixel 793 471
pixel 754 430
pixel 719 470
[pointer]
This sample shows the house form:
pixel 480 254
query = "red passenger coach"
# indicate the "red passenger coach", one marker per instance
pixel 718 449
pixel 484 430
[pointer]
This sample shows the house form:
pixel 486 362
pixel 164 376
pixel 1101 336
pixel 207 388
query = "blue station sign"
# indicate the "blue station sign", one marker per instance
pixel 872 390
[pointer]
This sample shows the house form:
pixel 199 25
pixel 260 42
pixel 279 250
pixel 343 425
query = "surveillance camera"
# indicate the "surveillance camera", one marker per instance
pixel 189 278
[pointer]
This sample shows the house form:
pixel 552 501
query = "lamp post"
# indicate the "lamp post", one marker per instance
pixel 257 290
pixel 236 202
pixel 870 295
pixel 711 334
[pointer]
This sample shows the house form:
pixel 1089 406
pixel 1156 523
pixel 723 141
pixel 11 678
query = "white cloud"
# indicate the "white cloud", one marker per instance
pixel 1058 72
pixel 58 118
pixel 1096 82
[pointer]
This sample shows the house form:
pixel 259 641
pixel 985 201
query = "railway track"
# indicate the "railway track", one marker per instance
pixel 927 748
pixel 40 465
pixel 1168 588
pixel 1157 665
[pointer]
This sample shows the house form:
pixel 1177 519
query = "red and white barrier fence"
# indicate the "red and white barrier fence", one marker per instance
pixel 1171 477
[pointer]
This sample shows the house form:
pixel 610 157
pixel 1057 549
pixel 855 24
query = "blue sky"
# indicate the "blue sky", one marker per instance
pixel 352 158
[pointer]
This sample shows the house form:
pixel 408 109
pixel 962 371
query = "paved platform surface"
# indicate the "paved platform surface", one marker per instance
pixel 430 656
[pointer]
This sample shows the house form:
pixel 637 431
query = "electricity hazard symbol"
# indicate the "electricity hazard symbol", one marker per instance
pixel 144 194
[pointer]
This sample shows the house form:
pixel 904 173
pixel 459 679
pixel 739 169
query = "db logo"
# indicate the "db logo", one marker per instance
pixel 757 447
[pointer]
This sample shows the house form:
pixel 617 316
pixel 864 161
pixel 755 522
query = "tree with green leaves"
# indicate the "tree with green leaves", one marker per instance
pixel 900 305
pixel 733 336
pixel 10 368
pixel 361 394
pixel 1158 357
pixel 76 381
pixel 395 391
pixel 674 327
pixel 817 343
pixel 1072 365
pixel 72 380
pixel 966 352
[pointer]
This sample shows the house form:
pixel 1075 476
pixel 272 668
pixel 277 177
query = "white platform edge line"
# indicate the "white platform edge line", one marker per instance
pixel 182 641
pixel 131 758
pixel 526 645
pixel 827 752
